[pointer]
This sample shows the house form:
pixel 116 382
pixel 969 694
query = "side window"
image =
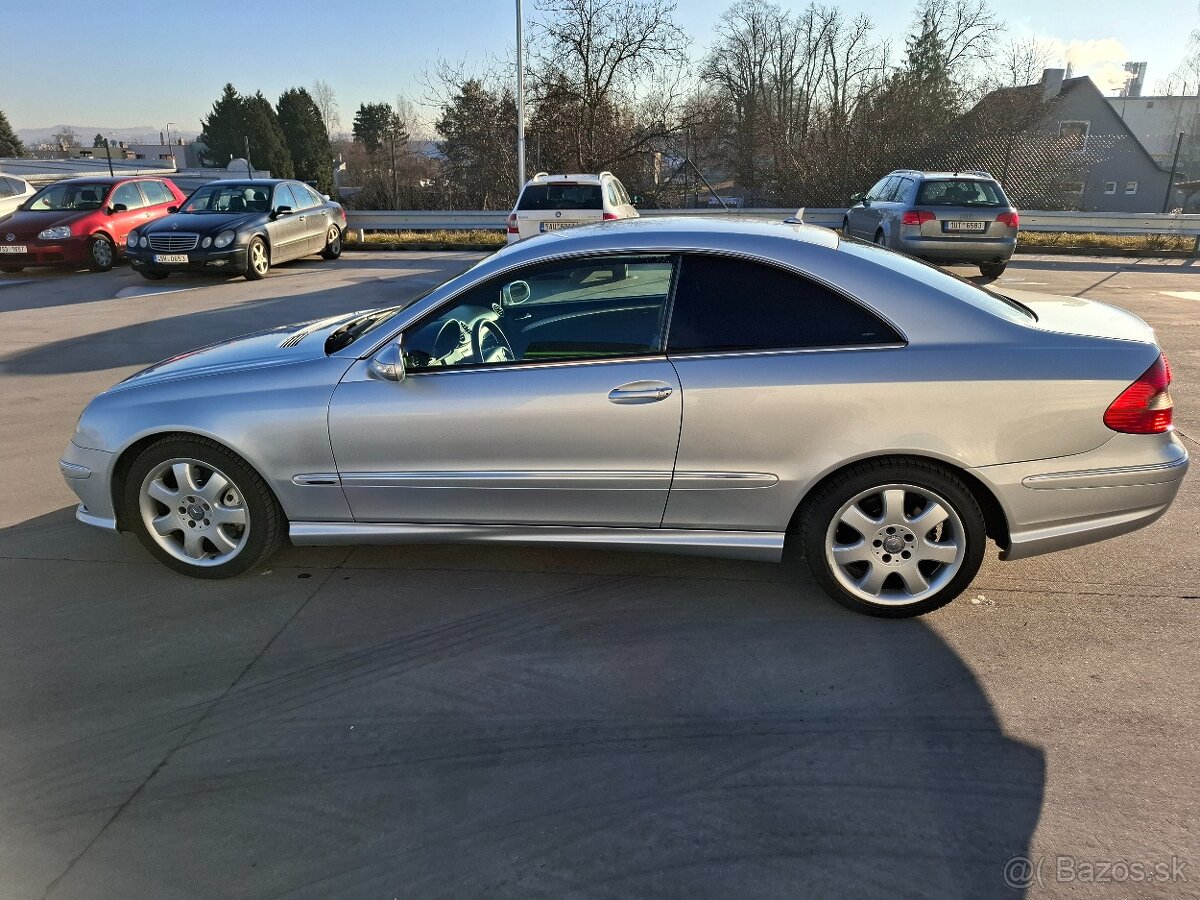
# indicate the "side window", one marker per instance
pixel 306 196
pixel 128 194
pixel 601 308
pixel 903 189
pixel 621 192
pixel 724 304
pixel 877 192
pixel 5 188
pixel 156 193
pixel 614 198
pixel 283 197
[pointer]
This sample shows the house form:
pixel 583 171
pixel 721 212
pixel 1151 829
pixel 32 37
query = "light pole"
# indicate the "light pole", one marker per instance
pixel 169 150
pixel 108 153
pixel 520 99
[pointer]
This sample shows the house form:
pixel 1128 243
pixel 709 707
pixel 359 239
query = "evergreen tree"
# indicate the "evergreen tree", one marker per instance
pixel 224 131
pixel 268 147
pixel 376 124
pixel 478 127
pixel 306 138
pixel 10 144
pixel 98 140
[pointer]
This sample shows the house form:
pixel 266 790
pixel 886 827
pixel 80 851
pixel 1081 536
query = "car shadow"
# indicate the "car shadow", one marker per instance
pixel 143 343
pixel 498 722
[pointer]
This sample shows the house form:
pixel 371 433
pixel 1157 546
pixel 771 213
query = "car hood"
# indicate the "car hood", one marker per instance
pixel 25 223
pixel 259 350
pixel 1086 318
pixel 200 223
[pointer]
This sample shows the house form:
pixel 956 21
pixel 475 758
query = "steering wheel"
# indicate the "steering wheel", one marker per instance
pixel 449 336
pixel 497 349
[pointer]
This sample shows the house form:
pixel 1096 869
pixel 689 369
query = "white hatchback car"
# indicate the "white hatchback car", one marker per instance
pixel 552 202
pixel 13 192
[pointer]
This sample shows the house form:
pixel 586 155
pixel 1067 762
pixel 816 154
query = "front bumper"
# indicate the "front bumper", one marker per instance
pixel 231 260
pixel 72 251
pixel 1055 504
pixel 957 249
pixel 89 474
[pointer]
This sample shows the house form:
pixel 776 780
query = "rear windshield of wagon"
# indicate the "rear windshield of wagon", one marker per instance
pixel 961 192
pixel 561 196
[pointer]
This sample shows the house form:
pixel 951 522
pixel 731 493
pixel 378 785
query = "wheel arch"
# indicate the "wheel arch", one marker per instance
pixel 994 517
pixel 131 451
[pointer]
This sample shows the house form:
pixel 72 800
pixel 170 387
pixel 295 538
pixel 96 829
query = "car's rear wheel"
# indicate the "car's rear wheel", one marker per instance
pixel 992 270
pixel 880 238
pixel 154 276
pixel 333 243
pixel 101 254
pixel 200 509
pixel 893 537
pixel 258 259
pixel 845 226
pixel 11 270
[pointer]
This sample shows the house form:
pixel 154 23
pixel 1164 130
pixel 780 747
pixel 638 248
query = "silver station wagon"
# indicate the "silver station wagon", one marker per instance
pixel 697 386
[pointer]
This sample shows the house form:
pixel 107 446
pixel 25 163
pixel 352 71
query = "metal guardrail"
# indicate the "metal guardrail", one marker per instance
pixel 1031 220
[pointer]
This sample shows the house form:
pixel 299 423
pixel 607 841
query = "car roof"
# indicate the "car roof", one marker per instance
pixel 585 177
pixel 104 179
pixel 964 174
pixel 249 180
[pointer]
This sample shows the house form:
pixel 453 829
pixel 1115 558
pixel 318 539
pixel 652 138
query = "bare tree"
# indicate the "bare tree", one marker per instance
pixel 1025 60
pixel 326 101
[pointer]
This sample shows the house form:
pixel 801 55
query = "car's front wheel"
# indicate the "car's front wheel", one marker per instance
pixel 101 254
pixel 200 509
pixel 333 243
pixel 893 537
pixel 258 259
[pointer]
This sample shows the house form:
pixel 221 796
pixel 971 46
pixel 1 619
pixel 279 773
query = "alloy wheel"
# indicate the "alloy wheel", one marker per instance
pixel 194 512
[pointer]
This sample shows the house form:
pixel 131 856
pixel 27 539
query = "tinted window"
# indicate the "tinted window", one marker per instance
pixel 284 197
pixel 583 309
pixel 961 192
pixel 566 195
pixel 18 186
pixel 156 193
pixel 129 195
pixel 877 190
pixel 903 186
pixel 732 304
pixel 306 196
pixel 5 188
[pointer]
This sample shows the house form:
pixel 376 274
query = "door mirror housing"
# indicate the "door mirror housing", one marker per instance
pixel 171 210
pixel 388 363
pixel 858 198
pixel 515 293
pixel 117 208
pixel 636 200
pixel 281 211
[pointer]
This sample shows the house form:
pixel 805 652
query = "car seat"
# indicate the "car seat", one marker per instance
pixel 237 204
pixel 259 202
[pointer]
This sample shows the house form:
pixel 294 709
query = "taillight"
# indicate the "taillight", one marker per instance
pixel 1011 219
pixel 1145 407
pixel 512 224
pixel 608 217
pixel 917 216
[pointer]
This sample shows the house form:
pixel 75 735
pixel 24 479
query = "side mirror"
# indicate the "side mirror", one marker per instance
pixel 116 208
pixel 388 364
pixel 637 199
pixel 281 211
pixel 858 197
pixel 515 293
pixel 172 209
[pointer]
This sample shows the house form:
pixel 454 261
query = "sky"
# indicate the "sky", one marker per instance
pixel 167 62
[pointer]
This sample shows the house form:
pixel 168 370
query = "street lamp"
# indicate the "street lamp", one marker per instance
pixel 108 153
pixel 520 100
pixel 169 150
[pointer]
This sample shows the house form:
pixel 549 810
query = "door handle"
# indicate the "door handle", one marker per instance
pixel 640 392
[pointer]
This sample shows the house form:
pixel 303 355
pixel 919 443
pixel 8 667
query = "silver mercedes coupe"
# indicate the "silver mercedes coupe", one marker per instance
pixel 706 386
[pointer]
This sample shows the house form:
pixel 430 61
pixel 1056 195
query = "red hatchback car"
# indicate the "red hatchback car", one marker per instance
pixel 83 221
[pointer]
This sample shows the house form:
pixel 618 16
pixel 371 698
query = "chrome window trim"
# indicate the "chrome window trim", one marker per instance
pixel 518 364
pixel 786 351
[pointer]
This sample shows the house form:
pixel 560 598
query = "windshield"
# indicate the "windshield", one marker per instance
pixel 961 192
pixel 230 198
pixel 565 195
pixel 68 197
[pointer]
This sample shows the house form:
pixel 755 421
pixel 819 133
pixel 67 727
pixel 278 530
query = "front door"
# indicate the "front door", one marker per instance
pixel 287 230
pixel 541 398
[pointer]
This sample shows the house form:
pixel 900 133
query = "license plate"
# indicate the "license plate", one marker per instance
pixel 555 226
pixel 170 257
pixel 966 226
pixel 13 248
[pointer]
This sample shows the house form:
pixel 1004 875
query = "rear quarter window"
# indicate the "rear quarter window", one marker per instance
pixel 727 304
pixel 561 196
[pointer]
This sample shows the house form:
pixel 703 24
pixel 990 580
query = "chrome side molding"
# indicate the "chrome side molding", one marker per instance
pixel 763 546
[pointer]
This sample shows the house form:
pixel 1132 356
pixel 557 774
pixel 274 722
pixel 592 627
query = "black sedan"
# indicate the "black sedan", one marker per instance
pixel 239 228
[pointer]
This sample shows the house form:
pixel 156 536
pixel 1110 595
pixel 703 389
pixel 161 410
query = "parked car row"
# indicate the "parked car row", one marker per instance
pixel 228 227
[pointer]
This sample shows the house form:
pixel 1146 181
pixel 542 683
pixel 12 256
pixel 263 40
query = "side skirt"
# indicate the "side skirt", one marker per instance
pixel 763 546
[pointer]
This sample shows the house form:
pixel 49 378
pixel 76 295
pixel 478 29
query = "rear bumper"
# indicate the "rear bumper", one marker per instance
pixel 89 474
pixel 958 249
pixel 1067 502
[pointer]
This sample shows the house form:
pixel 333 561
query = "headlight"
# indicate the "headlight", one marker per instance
pixel 224 239
pixel 144 242
pixel 206 242
pixel 57 233
pixel 131 241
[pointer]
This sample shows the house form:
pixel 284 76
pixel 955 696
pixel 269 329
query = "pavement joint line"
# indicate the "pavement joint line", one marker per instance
pixel 188 734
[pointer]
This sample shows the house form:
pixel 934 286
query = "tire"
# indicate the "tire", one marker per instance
pixel 878 565
pixel 333 243
pixel 224 529
pixel 992 270
pixel 258 259
pixel 154 276
pixel 880 239
pixel 11 270
pixel 845 226
pixel 101 254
